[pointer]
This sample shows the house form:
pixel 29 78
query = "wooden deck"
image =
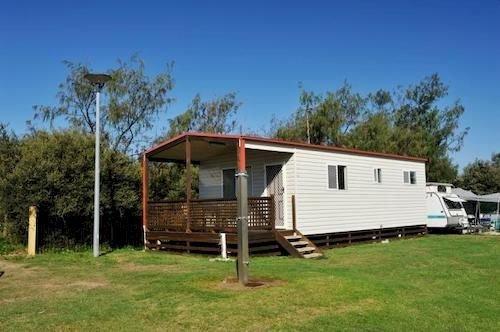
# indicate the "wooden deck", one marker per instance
pixel 209 215
pixel 195 226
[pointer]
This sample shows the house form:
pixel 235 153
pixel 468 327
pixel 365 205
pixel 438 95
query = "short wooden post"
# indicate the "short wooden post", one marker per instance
pixel 32 230
pixel 294 214
pixel 223 245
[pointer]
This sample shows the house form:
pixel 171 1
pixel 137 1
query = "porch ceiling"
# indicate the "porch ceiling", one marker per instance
pixel 201 149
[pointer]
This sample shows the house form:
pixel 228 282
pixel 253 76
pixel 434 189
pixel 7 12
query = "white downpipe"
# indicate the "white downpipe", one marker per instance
pixel 223 246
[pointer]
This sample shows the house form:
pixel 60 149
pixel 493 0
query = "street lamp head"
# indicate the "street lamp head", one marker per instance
pixel 97 79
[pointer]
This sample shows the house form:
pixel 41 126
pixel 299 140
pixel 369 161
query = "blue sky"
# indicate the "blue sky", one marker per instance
pixel 261 50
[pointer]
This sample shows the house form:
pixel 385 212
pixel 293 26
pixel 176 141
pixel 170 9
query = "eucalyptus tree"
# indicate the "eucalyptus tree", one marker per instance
pixel 323 119
pixel 408 121
pixel 132 102
pixel 214 116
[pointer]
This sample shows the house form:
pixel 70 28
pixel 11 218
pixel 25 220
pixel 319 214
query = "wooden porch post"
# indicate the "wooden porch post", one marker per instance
pixel 242 220
pixel 188 184
pixel 145 195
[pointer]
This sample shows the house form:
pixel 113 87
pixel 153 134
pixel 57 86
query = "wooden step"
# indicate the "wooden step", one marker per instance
pixel 305 249
pixel 299 243
pixel 313 255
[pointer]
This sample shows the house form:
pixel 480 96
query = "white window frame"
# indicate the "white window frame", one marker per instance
pixel 409 177
pixel 378 177
pixel 337 174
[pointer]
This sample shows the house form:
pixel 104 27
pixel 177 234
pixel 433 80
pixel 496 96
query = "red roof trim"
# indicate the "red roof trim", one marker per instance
pixel 178 139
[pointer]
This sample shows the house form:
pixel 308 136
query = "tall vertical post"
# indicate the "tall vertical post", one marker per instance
pixel 242 198
pixel 145 195
pixel 97 174
pixel 32 231
pixel 188 184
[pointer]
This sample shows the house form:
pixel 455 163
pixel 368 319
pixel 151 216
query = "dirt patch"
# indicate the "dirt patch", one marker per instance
pixel 253 283
pixel 24 281
pixel 88 284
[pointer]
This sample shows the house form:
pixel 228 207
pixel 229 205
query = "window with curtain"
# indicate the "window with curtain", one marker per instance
pixel 337 177
pixel 377 175
pixel 229 183
pixel 410 177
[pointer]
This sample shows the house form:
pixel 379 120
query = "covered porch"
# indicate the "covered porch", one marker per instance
pixel 195 223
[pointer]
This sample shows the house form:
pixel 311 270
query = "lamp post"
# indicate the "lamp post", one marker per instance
pixel 98 80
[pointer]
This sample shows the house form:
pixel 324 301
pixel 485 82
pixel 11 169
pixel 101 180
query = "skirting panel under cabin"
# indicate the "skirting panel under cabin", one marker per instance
pixel 341 239
pixel 260 243
pixel 265 243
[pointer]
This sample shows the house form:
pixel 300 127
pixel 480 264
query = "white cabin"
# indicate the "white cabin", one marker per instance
pixel 299 195
pixel 335 189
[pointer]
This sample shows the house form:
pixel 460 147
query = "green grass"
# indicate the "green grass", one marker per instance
pixel 433 283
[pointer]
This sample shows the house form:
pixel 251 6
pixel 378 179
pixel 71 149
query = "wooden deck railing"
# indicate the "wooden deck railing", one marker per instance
pixel 209 215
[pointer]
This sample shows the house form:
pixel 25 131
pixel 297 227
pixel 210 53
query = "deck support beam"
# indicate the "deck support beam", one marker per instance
pixel 188 184
pixel 145 195
pixel 242 198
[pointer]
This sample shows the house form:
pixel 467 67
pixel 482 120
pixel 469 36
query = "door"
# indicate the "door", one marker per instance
pixel 274 186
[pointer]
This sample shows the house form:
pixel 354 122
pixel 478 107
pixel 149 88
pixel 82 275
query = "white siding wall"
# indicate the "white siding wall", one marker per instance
pixel 211 175
pixel 364 204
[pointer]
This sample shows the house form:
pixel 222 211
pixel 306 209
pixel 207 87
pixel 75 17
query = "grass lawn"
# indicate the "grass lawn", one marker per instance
pixel 432 283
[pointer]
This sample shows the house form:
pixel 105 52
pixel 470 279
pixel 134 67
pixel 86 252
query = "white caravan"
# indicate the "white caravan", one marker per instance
pixel 444 208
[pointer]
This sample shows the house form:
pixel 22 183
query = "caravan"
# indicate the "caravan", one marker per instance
pixel 444 208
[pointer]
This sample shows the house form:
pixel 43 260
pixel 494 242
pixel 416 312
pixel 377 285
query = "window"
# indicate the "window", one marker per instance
pixel 413 177
pixel 332 177
pixel 377 175
pixel 229 183
pixel 452 205
pixel 341 176
pixel 441 189
pixel 410 177
pixel 337 177
pixel 250 181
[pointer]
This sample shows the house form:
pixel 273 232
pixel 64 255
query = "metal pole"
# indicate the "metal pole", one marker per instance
pixel 242 198
pixel 243 256
pixel 498 217
pixel 97 175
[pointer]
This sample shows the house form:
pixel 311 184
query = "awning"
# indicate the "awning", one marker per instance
pixel 455 199
pixel 494 198
pixel 465 194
